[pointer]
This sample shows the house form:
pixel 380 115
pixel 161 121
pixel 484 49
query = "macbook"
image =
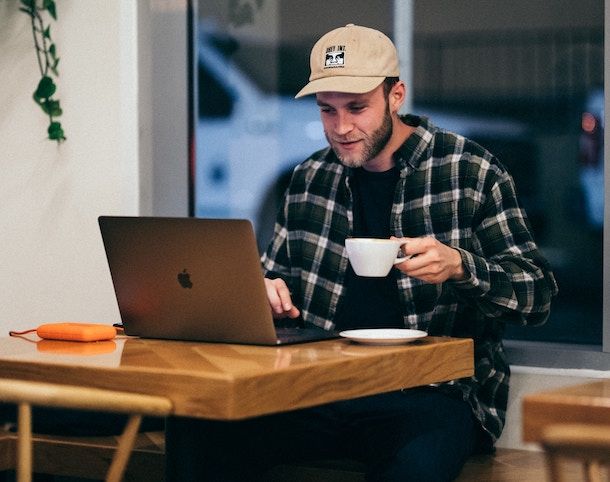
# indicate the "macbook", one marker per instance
pixel 193 279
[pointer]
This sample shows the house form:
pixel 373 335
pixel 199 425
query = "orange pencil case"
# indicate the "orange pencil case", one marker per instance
pixel 76 331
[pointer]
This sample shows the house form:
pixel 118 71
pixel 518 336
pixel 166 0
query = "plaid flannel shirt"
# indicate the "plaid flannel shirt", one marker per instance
pixel 449 188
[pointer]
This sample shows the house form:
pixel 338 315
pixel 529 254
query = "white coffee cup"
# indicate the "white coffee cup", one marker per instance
pixel 373 256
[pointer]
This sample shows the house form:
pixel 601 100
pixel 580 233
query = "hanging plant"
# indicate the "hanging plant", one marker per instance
pixel 46 54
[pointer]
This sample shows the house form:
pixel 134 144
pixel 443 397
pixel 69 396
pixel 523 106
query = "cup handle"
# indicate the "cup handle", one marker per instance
pixel 402 258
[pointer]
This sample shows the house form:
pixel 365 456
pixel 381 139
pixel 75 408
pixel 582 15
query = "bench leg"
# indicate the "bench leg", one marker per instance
pixel 24 443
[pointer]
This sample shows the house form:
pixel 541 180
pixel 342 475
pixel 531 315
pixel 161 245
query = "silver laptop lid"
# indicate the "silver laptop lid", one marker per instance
pixel 188 279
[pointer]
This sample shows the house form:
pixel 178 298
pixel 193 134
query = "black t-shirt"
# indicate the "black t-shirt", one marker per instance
pixel 371 302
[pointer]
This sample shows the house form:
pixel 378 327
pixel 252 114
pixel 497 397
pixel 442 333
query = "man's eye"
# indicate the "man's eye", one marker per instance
pixel 356 108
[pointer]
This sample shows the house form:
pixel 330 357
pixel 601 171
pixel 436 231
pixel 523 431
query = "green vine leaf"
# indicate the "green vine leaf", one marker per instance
pixel 50 6
pixel 55 131
pixel 46 88
pixel 46 53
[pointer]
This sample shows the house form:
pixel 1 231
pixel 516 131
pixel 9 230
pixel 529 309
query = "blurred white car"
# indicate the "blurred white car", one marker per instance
pixel 245 137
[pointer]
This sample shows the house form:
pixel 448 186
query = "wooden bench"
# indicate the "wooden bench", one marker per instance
pixel 506 465
pixel 89 457
pixel 7 451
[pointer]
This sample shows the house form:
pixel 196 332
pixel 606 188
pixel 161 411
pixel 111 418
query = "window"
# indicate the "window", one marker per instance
pixel 524 79
pixel 252 58
pixel 534 77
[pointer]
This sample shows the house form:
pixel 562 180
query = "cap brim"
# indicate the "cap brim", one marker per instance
pixel 341 83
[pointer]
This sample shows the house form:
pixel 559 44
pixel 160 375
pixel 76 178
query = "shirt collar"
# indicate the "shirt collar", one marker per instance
pixel 414 150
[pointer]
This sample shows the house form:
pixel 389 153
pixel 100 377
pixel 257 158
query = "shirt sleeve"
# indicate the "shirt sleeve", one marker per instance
pixel 275 260
pixel 507 276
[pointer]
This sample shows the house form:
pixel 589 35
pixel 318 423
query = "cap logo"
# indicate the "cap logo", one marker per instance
pixel 335 57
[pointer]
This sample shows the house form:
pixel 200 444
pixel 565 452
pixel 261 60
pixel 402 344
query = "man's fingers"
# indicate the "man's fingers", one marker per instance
pixel 284 295
pixel 272 295
pixel 293 312
pixel 279 298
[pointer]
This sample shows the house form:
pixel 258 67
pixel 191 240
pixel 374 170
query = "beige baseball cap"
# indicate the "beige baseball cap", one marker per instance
pixel 351 59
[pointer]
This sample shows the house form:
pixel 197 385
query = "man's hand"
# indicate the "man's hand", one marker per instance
pixel 279 299
pixel 431 261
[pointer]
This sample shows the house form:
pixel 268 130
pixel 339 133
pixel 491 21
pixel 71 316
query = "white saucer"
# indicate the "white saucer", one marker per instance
pixel 383 336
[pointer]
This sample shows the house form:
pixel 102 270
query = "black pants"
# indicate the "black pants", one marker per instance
pixel 416 435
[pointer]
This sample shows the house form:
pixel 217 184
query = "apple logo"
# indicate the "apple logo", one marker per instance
pixel 184 279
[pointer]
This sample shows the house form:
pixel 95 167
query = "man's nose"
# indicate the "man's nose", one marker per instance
pixel 343 123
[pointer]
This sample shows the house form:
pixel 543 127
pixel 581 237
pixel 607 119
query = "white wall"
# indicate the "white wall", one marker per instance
pixel 52 264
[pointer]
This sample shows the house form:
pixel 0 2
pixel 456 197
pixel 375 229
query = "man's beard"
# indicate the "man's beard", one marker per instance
pixel 373 144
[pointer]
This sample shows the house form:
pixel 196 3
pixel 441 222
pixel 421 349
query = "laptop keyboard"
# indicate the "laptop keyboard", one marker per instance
pixel 300 335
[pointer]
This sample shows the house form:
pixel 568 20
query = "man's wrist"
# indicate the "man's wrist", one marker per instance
pixel 459 273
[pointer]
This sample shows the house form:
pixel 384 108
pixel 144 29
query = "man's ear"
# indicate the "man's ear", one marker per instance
pixel 397 96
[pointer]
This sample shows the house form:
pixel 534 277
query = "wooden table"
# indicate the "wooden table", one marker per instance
pixel 230 382
pixel 587 403
pixel 233 382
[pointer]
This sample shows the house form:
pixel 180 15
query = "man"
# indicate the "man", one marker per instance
pixel 474 267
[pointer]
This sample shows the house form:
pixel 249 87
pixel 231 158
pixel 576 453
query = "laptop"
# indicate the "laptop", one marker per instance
pixel 193 279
